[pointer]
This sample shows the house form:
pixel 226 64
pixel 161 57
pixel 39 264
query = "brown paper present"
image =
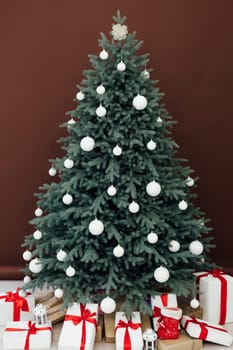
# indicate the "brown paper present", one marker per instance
pixel 184 342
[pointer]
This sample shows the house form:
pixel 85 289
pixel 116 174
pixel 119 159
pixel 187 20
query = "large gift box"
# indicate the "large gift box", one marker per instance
pixel 206 331
pixel 159 302
pixel 216 296
pixel 184 342
pixel 16 306
pixel 27 335
pixel 128 332
pixel 79 327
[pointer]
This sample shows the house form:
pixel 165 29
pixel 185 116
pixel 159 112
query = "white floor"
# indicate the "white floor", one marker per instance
pixel 12 285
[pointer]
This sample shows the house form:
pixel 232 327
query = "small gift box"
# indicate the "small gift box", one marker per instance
pixel 79 327
pixel 27 335
pixel 158 302
pixel 184 342
pixel 169 323
pixel 16 306
pixel 206 331
pixel 216 289
pixel 128 332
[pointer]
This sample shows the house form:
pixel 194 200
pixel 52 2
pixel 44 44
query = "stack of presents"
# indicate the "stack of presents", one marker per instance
pixel 28 325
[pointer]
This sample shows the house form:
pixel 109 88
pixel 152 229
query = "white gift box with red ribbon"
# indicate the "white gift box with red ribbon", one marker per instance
pixel 79 327
pixel 128 331
pixel 27 335
pixel 159 302
pixel 206 331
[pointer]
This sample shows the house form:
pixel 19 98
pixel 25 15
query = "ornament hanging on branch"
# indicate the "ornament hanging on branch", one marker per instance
pixel 52 171
pixel 139 102
pixel 68 163
pixel 174 246
pixel 38 212
pixel 100 89
pixel 111 191
pixel 71 122
pixel 108 305
pixel 80 96
pixel 61 255
pixel 183 205
pixel 161 274
pixel 117 150
pixel 160 121
pixel 101 111
pixel 26 279
pixel 153 189
pixel 134 207
pixel 189 181
pixel 103 55
pixel 35 265
pixel 151 145
pixel 96 227
pixel 119 31
pixel 152 238
pixel 37 234
pixel 194 303
pixel 67 199
pixel 121 66
pixel 70 271
pixel 58 293
pixel 118 251
pixel 87 144
pixel 145 74
pixel 196 247
pixel 27 255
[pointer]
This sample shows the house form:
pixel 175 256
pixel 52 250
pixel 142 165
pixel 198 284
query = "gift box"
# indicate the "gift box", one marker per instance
pixel 184 342
pixel 16 306
pixel 79 327
pixel 169 323
pixel 158 302
pixel 206 331
pixel 27 335
pixel 128 332
pixel 216 296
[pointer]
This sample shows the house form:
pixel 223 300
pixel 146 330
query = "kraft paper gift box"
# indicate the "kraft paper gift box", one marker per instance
pixel 27 335
pixel 159 302
pixel 206 331
pixel 16 306
pixel 79 327
pixel 216 296
pixel 184 342
pixel 128 332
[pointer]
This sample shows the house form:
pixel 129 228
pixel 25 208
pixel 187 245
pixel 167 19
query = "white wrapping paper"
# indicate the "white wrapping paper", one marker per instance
pixel 158 301
pixel 135 334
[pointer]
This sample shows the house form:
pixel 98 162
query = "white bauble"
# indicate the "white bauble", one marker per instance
pixel 71 122
pixel 80 96
pixel 159 120
pixel 35 265
pixel 108 305
pixel 161 274
pixel 26 279
pixel 70 271
pixel 103 55
pixel 174 246
pixel 118 251
pixel 139 102
pixel 68 163
pixel 152 238
pixel 67 199
pixel 194 303
pixel 27 255
pixel 100 89
pixel 153 188
pixel 58 293
pixel 111 191
pixel 121 66
pixel 87 144
pixel 61 255
pixel 134 207
pixel 196 247
pixel 52 171
pixel 145 74
pixel 183 205
pixel 37 234
pixel 189 181
pixel 151 145
pixel 117 150
pixel 38 212
pixel 96 227
pixel 101 111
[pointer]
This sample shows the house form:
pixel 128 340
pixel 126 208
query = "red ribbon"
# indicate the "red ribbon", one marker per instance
pixel 203 326
pixel 127 325
pixel 32 329
pixel 19 303
pixel 217 273
pixel 164 299
pixel 86 316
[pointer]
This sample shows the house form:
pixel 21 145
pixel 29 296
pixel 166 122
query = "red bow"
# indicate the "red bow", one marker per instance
pixel 203 326
pixel 31 329
pixel 86 316
pixel 127 325
pixel 19 303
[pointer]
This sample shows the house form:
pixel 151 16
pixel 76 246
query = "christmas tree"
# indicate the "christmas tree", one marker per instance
pixel 119 220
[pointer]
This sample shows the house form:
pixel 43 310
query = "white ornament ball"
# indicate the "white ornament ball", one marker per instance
pixel 38 212
pixel 52 171
pixel 161 274
pixel 67 199
pixel 152 238
pixel 189 181
pixel 111 191
pixel 134 207
pixel 58 293
pixel 35 265
pixel 117 150
pixel 70 271
pixel 87 144
pixel 101 111
pixel 96 227
pixel 37 234
pixel 174 246
pixel 183 205
pixel 196 247
pixel 61 255
pixel 159 120
pixel 118 251
pixel 139 102
pixel 71 121
pixel 103 55
pixel 151 145
pixel 153 189
pixel 108 305
pixel 68 163
pixel 80 96
pixel 26 279
pixel 100 89
pixel 194 303
pixel 27 255
pixel 121 67
pixel 146 74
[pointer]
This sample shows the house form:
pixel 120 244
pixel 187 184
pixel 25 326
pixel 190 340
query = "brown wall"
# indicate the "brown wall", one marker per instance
pixel 44 48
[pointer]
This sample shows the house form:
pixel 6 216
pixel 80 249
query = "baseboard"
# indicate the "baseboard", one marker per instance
pixel 11 272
